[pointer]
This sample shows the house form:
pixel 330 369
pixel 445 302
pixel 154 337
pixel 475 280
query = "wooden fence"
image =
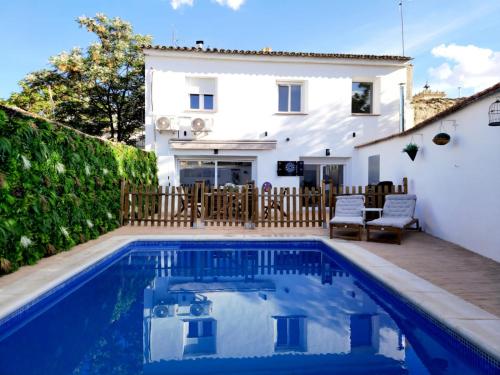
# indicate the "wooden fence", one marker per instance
pixel 243 206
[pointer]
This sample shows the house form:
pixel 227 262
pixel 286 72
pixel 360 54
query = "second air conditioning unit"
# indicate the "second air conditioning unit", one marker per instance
pixel 163 311
pixel 201 125
pixel 166 124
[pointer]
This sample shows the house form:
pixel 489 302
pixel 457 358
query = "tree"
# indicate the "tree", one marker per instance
pixel 97 90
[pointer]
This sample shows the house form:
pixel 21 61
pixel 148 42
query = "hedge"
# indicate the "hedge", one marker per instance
pixel 59 187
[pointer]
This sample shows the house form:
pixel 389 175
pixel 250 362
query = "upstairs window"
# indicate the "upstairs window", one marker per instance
pixel 201 101
pixel 208 102
pixel 289 97
pixel 201 93
pixel 194 101
pixel 362 97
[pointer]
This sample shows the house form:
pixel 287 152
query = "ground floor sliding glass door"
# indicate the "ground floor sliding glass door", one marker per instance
pixel 333 172
pixel 314 174
pixel 215 172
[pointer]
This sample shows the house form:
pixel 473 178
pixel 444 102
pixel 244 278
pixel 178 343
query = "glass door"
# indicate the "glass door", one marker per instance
pixel 333 174
pixel 311 178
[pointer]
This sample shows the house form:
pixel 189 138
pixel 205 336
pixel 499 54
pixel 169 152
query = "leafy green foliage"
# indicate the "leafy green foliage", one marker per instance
pixel 59 187
pixel 411 147
pixel 99 90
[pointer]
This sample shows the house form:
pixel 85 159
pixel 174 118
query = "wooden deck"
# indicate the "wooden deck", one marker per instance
pixel 470 276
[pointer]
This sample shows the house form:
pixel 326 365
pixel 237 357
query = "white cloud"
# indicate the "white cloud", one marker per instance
pixel 233 4
pixel 442 72
pixel 469 67
pixel 176 4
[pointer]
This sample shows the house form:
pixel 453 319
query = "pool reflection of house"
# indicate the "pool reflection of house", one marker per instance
pixel 262 310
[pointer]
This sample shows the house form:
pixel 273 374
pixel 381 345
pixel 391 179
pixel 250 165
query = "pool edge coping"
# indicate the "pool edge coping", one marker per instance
pixel 462 317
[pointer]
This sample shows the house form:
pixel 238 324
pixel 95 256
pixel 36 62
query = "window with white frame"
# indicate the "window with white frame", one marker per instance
pixel 290 333
pixel 201 101
pixel 201 93
pixel 290 97
pixel 362 97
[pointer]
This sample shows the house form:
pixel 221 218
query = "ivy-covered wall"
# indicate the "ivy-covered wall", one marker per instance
pixel 59 187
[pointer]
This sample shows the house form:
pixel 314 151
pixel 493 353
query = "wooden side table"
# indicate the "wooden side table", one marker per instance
pixel 365 210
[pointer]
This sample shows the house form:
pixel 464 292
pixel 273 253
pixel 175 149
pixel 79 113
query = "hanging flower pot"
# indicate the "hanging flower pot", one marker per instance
pixel 441 139
pixel 411 149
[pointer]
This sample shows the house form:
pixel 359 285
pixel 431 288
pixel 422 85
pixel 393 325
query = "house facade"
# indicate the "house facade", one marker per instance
pixel 288 118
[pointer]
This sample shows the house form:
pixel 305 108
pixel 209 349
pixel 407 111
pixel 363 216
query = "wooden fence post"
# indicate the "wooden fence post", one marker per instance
pixel 160 205
pixel 197 222
pixel 202 203
pixel 248 224
pixel 255 204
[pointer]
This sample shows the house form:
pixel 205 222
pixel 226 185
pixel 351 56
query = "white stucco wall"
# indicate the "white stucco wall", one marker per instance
pixel 246 101
pixel 456 184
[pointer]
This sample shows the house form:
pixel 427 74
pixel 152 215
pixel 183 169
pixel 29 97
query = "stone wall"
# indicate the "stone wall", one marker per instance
pixel 428 103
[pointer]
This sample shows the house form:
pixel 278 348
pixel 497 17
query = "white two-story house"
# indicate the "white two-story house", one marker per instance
pixel 288 118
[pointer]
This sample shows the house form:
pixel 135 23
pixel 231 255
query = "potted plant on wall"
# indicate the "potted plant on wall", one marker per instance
pixel 441 138
pixel 411 149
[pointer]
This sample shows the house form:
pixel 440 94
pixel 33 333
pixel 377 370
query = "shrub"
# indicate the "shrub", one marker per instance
pixel 59 187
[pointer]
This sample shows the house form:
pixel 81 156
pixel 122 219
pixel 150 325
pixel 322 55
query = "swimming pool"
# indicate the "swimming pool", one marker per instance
pixel 221 307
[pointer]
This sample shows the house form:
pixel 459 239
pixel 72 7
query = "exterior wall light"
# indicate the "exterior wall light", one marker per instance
pixel 494 113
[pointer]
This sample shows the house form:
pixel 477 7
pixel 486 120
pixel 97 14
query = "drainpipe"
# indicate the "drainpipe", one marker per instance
pixel 401 107
pixel 151 77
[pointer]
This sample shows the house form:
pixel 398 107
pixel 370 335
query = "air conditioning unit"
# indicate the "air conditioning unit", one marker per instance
pixel 201 125
pixel 166 124
pixel 199 308
pixel 163 311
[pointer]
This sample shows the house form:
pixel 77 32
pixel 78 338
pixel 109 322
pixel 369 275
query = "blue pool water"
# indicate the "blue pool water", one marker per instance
pixel 259 307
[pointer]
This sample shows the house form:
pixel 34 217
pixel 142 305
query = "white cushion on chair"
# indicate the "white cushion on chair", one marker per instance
pixel 399 205
pixel 347 220
pixel 349 205
pixel 397 222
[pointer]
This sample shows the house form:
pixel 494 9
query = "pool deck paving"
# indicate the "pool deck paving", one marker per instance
pixel 451 283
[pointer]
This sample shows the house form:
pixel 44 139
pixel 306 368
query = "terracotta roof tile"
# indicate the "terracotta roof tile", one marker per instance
pixel 277 53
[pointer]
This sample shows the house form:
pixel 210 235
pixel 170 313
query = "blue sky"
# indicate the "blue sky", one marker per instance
pixel 453 42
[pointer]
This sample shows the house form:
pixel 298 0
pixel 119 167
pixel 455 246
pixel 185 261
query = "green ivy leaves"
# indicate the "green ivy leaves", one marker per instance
pixel 59 188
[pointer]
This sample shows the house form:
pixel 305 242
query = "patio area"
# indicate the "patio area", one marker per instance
pixel 474 278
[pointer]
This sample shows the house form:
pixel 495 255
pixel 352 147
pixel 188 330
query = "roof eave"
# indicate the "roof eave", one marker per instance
pixel 228 52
